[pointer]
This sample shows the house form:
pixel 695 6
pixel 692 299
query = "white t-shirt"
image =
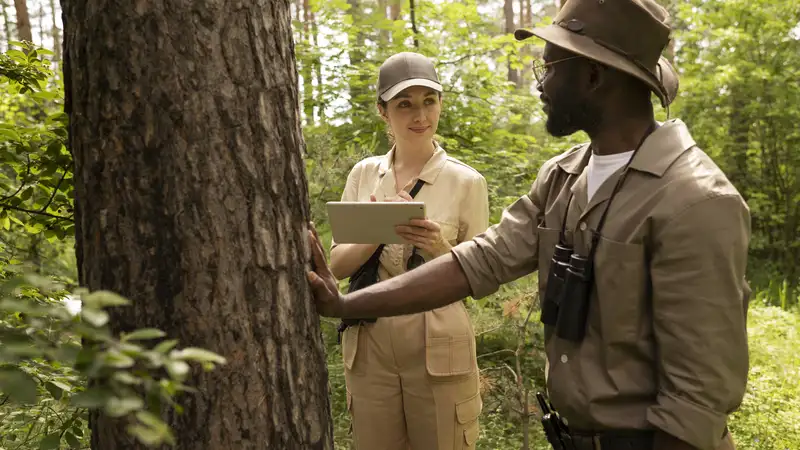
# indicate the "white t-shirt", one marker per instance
pixel 600 167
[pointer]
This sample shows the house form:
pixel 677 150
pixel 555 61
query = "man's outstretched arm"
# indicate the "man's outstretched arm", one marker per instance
pixel 430 286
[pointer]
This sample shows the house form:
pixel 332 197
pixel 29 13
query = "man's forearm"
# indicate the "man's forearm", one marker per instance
pixel 430 286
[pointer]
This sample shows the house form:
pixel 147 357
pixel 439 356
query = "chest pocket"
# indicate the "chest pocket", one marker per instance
pixel 621 280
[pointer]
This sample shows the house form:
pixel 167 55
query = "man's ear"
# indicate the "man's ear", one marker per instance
pixel 598 75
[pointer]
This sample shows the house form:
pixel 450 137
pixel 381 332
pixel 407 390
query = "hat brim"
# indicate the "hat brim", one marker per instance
pixel 664 83
pixel 397 88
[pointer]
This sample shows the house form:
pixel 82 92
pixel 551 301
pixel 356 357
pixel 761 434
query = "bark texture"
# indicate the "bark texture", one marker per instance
pixel 191 200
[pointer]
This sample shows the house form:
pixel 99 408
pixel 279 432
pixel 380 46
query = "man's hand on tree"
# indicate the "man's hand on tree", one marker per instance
pixel 324 286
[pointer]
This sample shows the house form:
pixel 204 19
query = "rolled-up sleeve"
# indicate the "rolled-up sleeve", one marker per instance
pixel 699 319
pixel 507 250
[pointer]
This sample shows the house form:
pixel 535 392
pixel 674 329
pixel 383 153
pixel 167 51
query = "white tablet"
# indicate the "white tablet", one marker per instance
pixel 371 222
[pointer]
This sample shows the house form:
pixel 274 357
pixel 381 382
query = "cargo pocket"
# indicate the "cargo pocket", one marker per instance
pixel 350 347
pixel 449 342
pixel 467 413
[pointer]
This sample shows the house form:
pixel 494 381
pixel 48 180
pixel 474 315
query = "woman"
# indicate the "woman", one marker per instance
pixel 412 381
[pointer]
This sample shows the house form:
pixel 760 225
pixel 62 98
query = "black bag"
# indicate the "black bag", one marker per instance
pixel 367 274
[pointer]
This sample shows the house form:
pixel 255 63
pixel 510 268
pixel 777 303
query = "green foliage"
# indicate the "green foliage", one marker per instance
pixel 741 62
pixel 35 166
pixel 769 417
pixel 47 354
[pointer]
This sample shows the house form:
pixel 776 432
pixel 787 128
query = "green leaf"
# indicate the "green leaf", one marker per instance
pixel 91 398
pixel 178 369
pixel 197 354
pixel 164 346
pixel 118 407
pixel 54 390
pixel 95 317
pixel 126 378
pixel 10 135
pixel 50 442
pixel 72 440
pixel 118 360
pixel 143 334
pixel 18 385
pixel 145 435
pixel 102 299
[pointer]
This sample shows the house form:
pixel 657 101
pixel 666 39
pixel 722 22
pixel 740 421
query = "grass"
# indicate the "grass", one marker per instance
pixel 769 417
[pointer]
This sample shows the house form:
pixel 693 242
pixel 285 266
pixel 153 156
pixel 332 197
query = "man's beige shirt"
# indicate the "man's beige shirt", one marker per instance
pixel 455 196
pixel 666 344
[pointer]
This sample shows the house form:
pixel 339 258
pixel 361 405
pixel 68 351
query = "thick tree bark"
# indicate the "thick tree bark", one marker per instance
pixel 191 200
pixel 23 21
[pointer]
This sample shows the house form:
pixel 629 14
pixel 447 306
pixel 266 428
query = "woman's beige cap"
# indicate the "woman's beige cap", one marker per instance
pixel 403 70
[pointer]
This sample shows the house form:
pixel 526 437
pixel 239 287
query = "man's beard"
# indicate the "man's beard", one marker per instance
pixel 569 114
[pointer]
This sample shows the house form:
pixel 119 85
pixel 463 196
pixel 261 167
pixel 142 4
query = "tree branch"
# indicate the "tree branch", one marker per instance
pixel 55 190
pixel 27 174
pixel 54 216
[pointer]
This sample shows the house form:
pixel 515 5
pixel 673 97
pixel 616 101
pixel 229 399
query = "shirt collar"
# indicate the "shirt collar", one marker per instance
pixel 658 151
pixel 430 171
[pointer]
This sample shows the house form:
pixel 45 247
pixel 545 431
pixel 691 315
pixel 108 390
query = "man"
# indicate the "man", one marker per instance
pixel 646 335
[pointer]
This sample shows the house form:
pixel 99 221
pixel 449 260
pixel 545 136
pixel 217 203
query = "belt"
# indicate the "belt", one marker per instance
pixel 613 440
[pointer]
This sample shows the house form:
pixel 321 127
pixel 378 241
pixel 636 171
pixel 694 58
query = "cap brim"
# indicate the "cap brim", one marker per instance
pixel 397 88
pixel 666 88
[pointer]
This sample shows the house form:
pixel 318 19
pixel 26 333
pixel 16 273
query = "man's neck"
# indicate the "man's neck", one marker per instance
pixel 620 135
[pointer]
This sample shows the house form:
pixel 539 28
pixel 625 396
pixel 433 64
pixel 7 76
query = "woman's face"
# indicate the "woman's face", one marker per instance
pixel 413 114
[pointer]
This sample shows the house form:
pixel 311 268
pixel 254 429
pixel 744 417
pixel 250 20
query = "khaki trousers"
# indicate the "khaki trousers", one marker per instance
pixel 412 381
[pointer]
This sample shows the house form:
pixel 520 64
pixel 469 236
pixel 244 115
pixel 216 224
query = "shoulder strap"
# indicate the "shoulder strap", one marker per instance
pixel 416 188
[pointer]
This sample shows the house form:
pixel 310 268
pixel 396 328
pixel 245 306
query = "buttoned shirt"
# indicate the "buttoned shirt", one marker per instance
pixel 455 196
pixel 665 344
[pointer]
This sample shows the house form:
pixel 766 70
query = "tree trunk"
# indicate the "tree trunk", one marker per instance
pixel 6 24
pixel 55 32
pixel 306 68
pixel 508 13
pixel 396 8
pixel 191 200
pixel 23 21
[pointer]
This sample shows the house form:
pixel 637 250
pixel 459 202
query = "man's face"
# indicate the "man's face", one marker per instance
pixel 566 93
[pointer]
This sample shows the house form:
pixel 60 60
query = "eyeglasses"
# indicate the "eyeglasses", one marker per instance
pixel 415 260
pixel 540 68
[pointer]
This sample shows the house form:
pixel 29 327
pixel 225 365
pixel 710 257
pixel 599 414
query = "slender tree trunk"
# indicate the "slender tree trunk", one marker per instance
pixel 383 13
pixel 396 9
pixel 55 33
pixel 508 12
pixel 320 114
pixel 191 200
pixel 413 11
pixel 6 23
pixel 306 67
pixel 23 21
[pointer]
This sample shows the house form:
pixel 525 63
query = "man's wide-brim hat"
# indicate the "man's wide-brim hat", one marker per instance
pixel 628 35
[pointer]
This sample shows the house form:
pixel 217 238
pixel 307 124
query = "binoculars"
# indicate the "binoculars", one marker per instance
pixel 566 298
